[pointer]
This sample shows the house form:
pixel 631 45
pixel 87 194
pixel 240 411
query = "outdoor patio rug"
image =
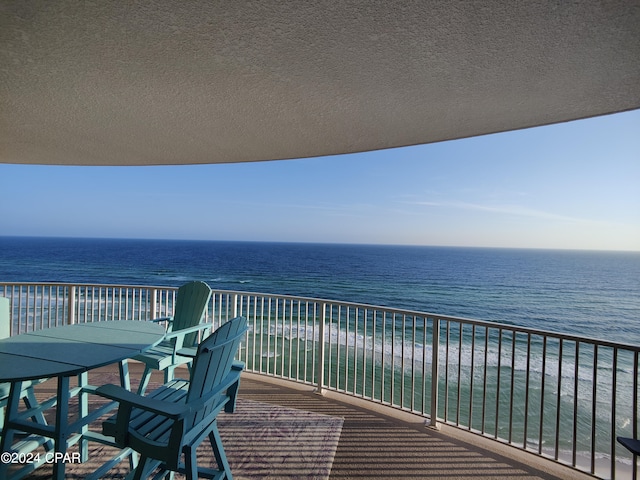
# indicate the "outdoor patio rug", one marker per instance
pixel 262 442
pixel 265 441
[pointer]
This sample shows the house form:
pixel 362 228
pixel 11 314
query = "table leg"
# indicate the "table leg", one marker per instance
pixel 61 430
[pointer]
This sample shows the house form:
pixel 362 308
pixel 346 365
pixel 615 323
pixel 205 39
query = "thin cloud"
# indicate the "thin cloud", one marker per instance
pixel 514 210
pixel 328 208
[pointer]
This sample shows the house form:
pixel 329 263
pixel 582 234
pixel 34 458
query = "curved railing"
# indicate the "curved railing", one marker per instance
pixel 559 396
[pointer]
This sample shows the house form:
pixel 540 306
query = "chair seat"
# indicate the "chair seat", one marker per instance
pixel 174 391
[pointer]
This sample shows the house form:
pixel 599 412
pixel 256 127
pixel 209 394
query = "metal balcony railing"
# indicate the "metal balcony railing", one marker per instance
pixel 559 396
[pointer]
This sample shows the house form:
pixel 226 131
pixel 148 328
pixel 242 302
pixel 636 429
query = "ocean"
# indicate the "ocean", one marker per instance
pixel 585 293
pixel 589 293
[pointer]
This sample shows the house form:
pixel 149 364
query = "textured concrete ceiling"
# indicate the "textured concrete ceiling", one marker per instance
pixel 168 82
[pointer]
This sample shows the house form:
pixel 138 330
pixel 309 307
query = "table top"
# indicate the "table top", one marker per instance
pixel 73 349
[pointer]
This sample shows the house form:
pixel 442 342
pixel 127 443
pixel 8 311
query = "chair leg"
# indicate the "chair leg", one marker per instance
pixel 168 374
pixel 218 451
pixel 191 462
pixel 232 392
pixel 133 460
pixel 142 470
pixel 125 380
pixel 30 401
pixel 144 380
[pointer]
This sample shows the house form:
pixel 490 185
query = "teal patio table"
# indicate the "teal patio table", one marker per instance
pixel 63 352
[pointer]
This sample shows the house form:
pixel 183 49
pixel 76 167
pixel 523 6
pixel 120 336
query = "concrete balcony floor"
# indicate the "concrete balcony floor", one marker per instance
pixel 375 441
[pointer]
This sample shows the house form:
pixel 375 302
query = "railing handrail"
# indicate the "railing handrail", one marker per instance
pixel 382 308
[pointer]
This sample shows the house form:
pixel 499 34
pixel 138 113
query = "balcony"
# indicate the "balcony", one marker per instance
pixel 374 441
pixel 510 400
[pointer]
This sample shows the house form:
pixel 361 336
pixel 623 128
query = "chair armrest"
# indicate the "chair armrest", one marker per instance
pixel 631 444
pixel 187 352
pixel 160 407
pixel 238 365
pixel 180 334
pixel 167 320
pixel 125 397
pixel 184 331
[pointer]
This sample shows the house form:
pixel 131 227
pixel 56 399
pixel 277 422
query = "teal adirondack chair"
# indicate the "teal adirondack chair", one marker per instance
pixel 182 333
pixel 174 419
pixel 26 393
pixel 27 390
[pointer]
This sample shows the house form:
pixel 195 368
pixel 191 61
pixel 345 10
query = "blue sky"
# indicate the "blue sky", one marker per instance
pixel 574 185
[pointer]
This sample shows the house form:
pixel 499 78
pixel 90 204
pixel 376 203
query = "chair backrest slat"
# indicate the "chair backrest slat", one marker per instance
pixel 191 304
pixel 214 359
pixel 5 317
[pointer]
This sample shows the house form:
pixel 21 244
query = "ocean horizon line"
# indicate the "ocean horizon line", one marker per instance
pixel 313 243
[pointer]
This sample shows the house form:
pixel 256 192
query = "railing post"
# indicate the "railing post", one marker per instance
pixel 71 312
pixel 234 307
pixel 320 355
pixel 154 303
pixel 435 349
